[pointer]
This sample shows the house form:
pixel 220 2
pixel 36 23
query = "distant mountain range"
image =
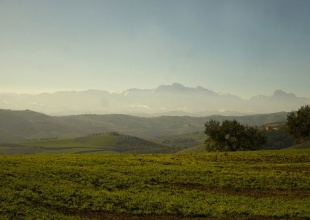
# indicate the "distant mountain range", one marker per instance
pixel 169 100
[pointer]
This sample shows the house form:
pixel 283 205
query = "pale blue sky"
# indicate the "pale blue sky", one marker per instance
pixel 243 47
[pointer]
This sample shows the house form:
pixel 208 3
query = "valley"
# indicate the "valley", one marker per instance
pixel 128 167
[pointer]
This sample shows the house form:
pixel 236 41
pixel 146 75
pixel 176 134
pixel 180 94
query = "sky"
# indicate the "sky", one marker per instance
pixel 241 47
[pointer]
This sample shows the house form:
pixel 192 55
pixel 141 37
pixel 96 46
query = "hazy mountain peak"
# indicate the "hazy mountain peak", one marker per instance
pixel 179 88
pixel 202 89
pixel 164 98
pixel 177 85
pixel 277 94
pixel 281 93
pixel 174 87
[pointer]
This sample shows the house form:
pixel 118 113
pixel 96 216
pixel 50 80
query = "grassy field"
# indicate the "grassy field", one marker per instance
pixel 197 149
pixel 239 185
pixel 181 141
pixel 101 143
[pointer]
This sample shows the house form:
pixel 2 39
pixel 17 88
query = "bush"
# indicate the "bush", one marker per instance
pixel 298 124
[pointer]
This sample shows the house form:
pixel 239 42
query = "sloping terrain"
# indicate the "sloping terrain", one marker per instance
pixel 305 145
pixel 181 142
pixel 96 143
pixel 8 137
pixel 193 150
pixel 21 125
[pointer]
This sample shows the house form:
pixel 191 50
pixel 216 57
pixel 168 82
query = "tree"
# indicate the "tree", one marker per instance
pixel 233 136
pixel 298 124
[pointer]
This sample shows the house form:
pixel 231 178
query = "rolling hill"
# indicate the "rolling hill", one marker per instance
pixel 96 143
pixel 24 125
pixel 305 145
pixel 182 141
pixel 193 150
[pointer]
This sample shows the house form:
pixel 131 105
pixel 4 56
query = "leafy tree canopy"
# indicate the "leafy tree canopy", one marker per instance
pixel 298 124
pixel 233 136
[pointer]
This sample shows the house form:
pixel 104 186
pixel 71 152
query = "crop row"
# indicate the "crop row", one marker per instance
pixel 266 184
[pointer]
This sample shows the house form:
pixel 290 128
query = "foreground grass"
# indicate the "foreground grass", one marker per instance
pixel 241 185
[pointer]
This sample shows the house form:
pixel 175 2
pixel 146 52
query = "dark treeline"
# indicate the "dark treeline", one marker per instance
pixel 109 132
pixel 43 139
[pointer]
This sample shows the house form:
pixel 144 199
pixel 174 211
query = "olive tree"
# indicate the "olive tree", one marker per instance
pixel 233 136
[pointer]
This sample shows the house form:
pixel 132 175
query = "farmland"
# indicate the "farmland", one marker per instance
pixel 238 185
pixel 95 143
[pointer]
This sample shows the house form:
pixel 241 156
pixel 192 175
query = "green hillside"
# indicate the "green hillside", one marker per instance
pixel 181 141
pixel 97 143
pixel 8 137
pixel 305 145
pixel 277 125
pixel 23 125
pixel 193 150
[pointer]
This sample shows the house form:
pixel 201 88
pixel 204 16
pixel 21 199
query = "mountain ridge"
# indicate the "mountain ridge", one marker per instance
pixel 27 125
pixel 165 98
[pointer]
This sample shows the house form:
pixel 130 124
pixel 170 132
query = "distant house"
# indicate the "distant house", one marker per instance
pixel 270 128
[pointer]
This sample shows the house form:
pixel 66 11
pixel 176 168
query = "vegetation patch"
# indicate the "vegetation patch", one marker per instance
pixel 231 185
pixel 99 143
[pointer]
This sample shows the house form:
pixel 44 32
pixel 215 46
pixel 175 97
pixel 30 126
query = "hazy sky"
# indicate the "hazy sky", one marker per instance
pixel 243 47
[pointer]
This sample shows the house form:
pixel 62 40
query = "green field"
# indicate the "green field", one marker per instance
pixel 105 143
pixel 197 149
pixel 238 185
pixel 98 143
